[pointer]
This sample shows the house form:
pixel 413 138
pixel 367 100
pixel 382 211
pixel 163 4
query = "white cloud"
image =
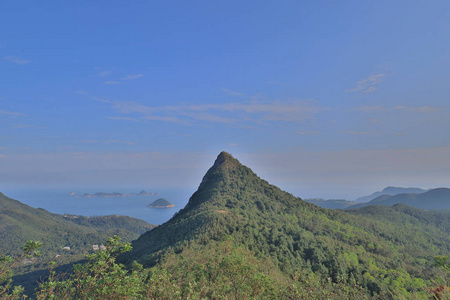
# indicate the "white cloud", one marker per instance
pixel 307 132
pixel 24 125
pixel 419 109
pixel 124 119
pixel 414 109
pixel 361 132
pixel 367 85
pixel 230 113
pixel 131 77
pixel 108 142
pixel 373 133
pixel 15 60
pixel 10 113
pixel 111 82
pixel 104 73
pixel 231 92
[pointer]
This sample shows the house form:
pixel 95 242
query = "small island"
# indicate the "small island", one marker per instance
pixel 161 203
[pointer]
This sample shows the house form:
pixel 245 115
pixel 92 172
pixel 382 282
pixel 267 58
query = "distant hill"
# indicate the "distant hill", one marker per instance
pixel 438 199
pixel 161 203
pixel 390 190
pixel 20 222
pixel 331 203
pixel 384 250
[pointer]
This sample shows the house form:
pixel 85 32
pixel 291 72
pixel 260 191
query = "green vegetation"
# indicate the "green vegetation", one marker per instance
pixel 7 263
pixel 20 223
pixel 220 271
pixel 385 252
pixel 241 238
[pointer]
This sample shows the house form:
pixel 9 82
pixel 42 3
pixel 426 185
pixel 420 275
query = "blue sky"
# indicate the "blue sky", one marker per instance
pixel 324 99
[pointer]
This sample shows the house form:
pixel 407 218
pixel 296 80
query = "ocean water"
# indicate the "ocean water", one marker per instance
pixel 60 201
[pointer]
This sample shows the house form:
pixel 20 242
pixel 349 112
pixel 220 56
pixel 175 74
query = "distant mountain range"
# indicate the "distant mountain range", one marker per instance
pixel 390 190
pixel 437 199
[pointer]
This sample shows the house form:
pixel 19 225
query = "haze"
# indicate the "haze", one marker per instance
pixel 322 98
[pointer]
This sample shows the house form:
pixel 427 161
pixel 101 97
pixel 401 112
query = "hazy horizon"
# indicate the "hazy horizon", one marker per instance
pixel 323 99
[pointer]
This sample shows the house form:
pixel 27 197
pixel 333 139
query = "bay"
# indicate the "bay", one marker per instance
pixel 60 201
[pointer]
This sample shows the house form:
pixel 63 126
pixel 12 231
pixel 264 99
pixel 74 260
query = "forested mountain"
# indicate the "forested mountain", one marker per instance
pixel 65 239
pixel 241 238
pixel 387 251
pixel 432 199
pixel 20 222
pixel 390 190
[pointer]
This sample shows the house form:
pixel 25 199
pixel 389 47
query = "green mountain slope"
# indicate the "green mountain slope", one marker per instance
pixel 385 253
pixel 20 222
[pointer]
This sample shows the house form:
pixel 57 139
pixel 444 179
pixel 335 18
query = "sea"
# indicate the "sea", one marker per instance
pixel 69 201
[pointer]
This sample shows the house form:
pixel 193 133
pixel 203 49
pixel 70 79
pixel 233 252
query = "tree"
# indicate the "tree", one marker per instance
pixel 7 263
pixel 99 278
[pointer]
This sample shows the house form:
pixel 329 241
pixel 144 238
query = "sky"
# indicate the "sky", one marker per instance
pixel 331 99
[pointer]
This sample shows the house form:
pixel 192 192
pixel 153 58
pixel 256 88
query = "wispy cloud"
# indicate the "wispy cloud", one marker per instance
pixel 24 125
pixel 373 133
pixel 108 142
pixel 367 85
pixel 15 60
pixel 401 133
pixel 126 78
pixel 10 113
pixel 351 132
pixel 277 83
pixel 124 119
pixel 414 109
pixel 229 113
pixel 131 77
pixel 104 73
pixel 419 109
pixel 374 108
pixel 231 92
pixel 307 132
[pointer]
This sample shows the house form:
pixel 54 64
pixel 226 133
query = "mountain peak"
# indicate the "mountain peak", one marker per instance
pixel 225 158
pixel 224 164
